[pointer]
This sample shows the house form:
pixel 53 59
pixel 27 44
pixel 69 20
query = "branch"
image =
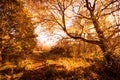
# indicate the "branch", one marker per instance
pixel 57 21
pixel 117 31
pixel 88 5
pixel 110 12
pixel 113 34
pixel 105 7
pixel 113 1
pixel 111 27
pixel 82 16
pixel 63 26
pixel 83 39
pixel 94 5
pixel 115 45
pixel 71 1
pixel 60 5
pixel 82 28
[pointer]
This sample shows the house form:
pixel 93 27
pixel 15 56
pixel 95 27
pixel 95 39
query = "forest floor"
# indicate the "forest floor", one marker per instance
pixel 48 66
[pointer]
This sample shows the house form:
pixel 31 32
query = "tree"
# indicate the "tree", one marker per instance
pixel 17 32
pixel 93 21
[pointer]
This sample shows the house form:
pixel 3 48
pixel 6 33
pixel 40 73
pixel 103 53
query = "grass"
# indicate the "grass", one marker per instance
pixel 69 63
pixel 59 67
pixel 47 66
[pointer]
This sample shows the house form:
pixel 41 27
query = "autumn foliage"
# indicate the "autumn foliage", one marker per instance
pixel 87 46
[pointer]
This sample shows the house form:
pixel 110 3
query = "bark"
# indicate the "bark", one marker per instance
pixel 103 42
pixel 107 53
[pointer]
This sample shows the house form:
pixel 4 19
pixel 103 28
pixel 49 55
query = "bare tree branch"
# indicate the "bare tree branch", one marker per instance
pixel 110 12
pixel 116 31
pixel 88 5
pixel 106 6
pixel 71 2
pixel 113 26
pixel 83 39
pixel 82 16
pixel 79 15
pixel 57 21
pixel 94 4
pixel 112 1
pixel 69 34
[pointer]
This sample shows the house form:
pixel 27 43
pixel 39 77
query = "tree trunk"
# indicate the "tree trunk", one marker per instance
pixel 107 54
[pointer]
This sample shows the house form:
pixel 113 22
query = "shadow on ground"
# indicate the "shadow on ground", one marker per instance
pixel 99 70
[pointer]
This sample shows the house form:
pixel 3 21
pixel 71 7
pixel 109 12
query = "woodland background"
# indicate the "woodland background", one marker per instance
pixel 87 46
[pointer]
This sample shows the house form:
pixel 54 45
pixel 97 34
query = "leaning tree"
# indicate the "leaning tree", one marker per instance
pixel 92 21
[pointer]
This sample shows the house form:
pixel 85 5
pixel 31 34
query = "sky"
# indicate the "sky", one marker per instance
pixel 46 38
pixel 49 39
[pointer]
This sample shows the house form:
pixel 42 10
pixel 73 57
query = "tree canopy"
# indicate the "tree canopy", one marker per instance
pixel 88 46
pixel 17 31
pixel 92 21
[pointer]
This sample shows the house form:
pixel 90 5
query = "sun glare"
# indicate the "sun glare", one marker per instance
pixel 51 39
pixel 47 38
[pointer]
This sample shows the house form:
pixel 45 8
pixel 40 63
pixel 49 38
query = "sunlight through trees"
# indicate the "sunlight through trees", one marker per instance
pixel 79 38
